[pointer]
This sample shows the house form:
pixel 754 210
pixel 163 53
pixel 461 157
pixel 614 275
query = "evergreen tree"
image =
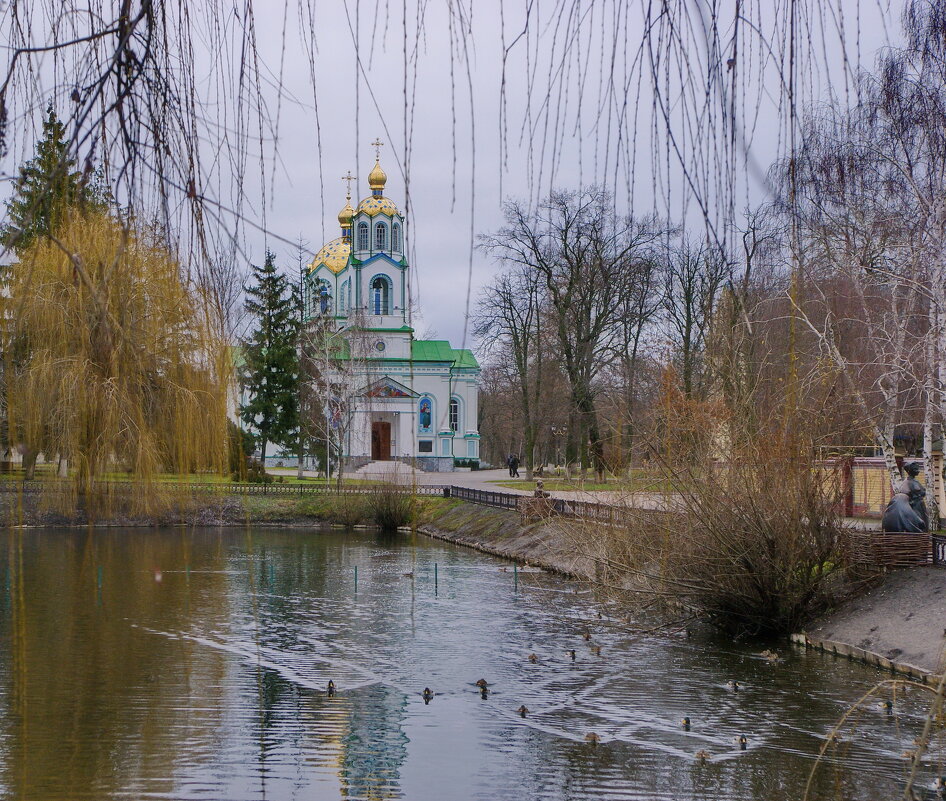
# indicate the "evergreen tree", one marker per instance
pixel 270 370
pixel 47 188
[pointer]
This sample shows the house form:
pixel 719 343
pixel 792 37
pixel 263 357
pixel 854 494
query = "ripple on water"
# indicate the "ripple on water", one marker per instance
pixel 212 683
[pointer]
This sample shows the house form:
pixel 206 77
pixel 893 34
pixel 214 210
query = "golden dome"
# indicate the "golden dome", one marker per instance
pixel 377 205
pixel 345 215
pixel 377 177
pixel 333 255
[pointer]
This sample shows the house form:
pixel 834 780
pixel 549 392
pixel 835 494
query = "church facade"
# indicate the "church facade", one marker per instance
pixel 387 395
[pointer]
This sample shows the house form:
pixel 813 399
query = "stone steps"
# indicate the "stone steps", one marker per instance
pixel 396 472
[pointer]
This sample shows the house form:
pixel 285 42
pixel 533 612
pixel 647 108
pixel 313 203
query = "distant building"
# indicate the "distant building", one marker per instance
pixel 391 396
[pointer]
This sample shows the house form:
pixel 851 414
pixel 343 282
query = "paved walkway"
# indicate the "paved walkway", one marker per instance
pixel 490 480
pixel 400 473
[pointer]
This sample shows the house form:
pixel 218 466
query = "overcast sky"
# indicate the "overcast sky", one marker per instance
pixel 452 159
pixel 577 106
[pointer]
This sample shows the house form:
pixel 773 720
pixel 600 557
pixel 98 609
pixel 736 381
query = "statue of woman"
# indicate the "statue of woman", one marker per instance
pixel 916 491
pixel 906 511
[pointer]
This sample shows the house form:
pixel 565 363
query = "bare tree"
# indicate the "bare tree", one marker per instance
pixel 639 309
pixel 508 318
pixel 588 259
pixel 694 276
pixel 864 190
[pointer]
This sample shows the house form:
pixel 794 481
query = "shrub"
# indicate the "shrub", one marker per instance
pixel 391 507
pixel 350 509
pixel 256 473
pixel 756 543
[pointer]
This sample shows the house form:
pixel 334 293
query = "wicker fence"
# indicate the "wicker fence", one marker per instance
pixel 876 548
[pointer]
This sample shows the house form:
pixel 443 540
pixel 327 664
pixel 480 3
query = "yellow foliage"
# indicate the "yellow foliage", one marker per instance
pixel 113 357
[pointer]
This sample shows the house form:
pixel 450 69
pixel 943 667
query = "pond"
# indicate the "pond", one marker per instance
pixel 182 664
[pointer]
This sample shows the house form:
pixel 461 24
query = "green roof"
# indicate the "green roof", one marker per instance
pixel 422 350
pixel 439 350
pixel 466 359
pixel 338 348
pixel 431 350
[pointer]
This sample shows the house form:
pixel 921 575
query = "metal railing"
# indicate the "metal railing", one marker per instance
pixel 605 513
pixel 502 500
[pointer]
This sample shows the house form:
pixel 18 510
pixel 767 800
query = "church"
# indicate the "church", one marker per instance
pixel 389 396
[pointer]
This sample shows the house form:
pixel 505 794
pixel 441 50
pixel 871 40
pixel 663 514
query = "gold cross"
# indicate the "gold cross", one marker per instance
pixel 349 177
pixel 376 144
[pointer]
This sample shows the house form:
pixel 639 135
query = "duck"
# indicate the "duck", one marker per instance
pixel 702 756
pixel 331 687
pixel 427 695
pixel 733 685
pixel 685 723
pixel 911 755
pixel 592 738
pixel 587 636
pixel 743 741
pixel 484 693
pixel 523 711
pixel 887 706
pixel 481 683
pixel 571 653
pixel 533 658
pixel 771 656
pixel 940 784
pixel 596 650
pixel 408 575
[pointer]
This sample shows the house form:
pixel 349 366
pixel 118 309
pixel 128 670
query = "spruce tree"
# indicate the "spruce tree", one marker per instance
pixel 47 187
pixel 270 371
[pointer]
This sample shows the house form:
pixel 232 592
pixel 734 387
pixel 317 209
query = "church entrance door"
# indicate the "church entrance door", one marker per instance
pixel 381 442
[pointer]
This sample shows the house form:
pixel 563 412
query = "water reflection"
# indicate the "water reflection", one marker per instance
pixel 174 664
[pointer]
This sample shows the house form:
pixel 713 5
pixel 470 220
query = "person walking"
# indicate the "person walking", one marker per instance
pixel 514 466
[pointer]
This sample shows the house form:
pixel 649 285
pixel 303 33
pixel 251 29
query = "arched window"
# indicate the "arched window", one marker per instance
pixel 380 295
pixel 454 415
pixel 396 237
pixel 343 297
pixel 380 237
pixel 362 236
pixel 324 299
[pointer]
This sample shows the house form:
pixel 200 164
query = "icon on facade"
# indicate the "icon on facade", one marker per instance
pixel 425 413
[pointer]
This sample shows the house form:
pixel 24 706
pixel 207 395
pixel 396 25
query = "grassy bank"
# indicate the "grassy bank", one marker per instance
pixel 47 472
pixel 345 510
pixel 548 544
pixel 382 506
